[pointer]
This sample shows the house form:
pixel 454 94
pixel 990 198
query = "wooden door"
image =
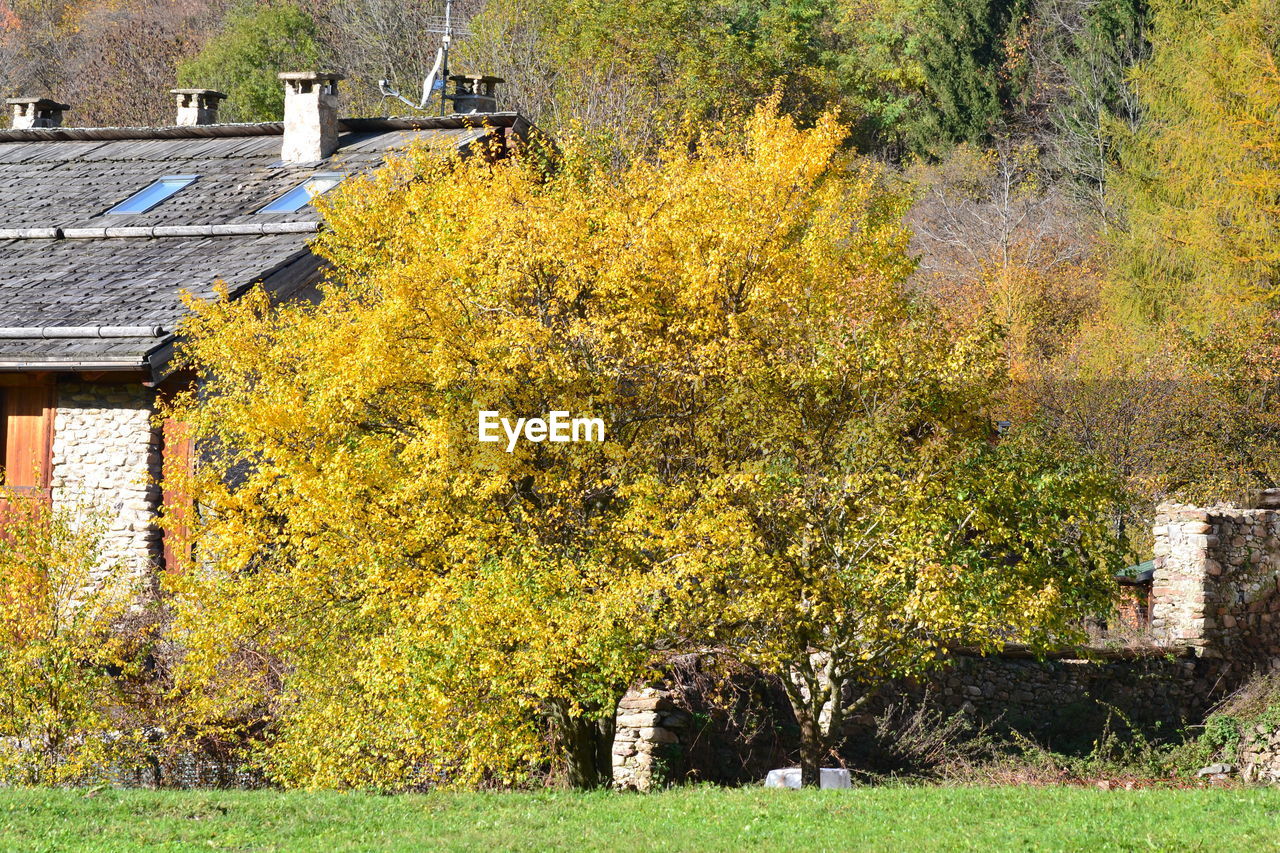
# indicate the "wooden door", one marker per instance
pixel 179 456
pixel 27 426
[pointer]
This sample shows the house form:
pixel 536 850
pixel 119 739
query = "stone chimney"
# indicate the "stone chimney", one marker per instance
pixel 197 106
pixel 474 94
pixel 36 112
pixel 310 115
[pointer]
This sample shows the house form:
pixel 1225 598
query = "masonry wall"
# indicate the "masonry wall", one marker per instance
pixel 734 731
pixel 1216 579
pixel 647 747
pixel 106 458
pixel 1066 702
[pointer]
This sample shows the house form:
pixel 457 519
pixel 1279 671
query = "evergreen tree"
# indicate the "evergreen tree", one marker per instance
pixel 972 57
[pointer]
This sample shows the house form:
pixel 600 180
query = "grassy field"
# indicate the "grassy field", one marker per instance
pixel 889 819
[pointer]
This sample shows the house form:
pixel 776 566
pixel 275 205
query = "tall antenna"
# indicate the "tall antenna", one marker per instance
pixel 443 26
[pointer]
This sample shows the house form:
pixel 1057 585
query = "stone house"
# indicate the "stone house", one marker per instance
pixel 101 229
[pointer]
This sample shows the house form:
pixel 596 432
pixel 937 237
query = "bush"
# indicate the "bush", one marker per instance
pixel 63 653
pixel 1230 726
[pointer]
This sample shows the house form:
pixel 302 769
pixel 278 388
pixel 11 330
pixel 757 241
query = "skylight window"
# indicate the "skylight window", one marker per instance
pixel 144 200
pixel 296 198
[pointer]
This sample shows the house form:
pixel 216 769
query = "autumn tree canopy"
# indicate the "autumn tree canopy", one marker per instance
pixel 1199 185
pixel 782 474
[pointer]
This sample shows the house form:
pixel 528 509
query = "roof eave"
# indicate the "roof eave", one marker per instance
pixel 71 366
pixel 265 128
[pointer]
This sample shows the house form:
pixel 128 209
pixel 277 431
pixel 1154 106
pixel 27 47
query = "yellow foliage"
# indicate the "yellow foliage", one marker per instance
pixel 408 605
pixel 58 643
pixel 1199 180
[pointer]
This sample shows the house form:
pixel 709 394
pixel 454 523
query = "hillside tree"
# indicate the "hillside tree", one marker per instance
pixel 1197 187
pixel 255 43
pixel 972 56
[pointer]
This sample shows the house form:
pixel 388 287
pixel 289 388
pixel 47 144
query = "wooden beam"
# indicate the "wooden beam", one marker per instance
pixel 12 380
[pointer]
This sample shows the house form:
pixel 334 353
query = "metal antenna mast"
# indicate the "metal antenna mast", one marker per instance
pixel 443 26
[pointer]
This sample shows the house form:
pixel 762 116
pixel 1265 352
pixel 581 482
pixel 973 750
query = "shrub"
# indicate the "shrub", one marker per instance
pixel 62 653
pixel 918 740
pixel 1232 724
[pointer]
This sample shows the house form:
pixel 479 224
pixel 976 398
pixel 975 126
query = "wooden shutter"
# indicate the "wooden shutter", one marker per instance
pixel 28 435
pixel 179 456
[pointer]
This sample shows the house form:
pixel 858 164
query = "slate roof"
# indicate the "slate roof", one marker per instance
pixel 66 178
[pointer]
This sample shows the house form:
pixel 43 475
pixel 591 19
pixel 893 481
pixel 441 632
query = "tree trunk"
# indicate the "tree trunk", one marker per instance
pixel 588 746
pixel 816 696
pixel 812 752
pixel 813 742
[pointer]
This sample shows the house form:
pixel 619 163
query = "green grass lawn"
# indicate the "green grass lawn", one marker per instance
pixel 704 818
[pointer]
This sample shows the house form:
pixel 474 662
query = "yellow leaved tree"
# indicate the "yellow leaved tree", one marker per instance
pixel 795 462
pixel 64 650
pixel 1198 180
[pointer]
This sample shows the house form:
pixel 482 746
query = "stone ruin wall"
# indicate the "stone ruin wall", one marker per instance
pixel 1215 619
pixel 1216 578
pixel 1066 701
pixel 1259 755
pixel 650 729
pixel 106 459
pixel 670 732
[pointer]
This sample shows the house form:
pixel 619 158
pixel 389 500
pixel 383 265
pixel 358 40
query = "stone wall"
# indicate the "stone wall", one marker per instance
pixel 1217 573
pixel 1066 702
pixel 189 770
pixel 647 747
pixel 734 729
pixel 1259 754
pixel 106 458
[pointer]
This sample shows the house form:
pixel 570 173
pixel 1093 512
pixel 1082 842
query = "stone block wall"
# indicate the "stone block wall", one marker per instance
pixel 1216 579
pixel 1065 702
pixel 647 742
pixel 1259 754
pixel 106 458
pixel 734 732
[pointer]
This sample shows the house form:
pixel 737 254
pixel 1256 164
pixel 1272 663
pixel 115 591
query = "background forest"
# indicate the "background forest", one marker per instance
pixel 1097 176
